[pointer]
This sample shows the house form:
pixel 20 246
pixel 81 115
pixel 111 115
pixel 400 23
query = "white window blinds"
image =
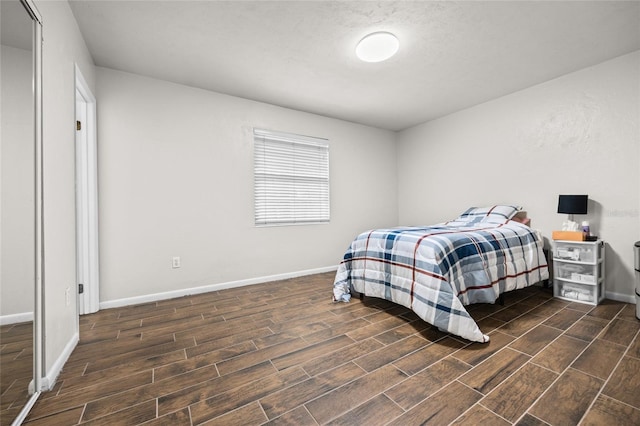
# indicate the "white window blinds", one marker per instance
pixel 291 178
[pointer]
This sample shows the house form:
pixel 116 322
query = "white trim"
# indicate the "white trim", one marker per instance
pixel 16 318
pixel 208 288
pixel 87 200
pixel 26 408
pixel 39 344
pixel 47 382
pixel 627 298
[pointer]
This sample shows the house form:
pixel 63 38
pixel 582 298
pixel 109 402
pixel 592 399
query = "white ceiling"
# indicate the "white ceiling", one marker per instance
pixel 300 54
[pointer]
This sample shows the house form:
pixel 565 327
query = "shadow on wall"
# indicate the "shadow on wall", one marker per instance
pixel 595 216
pixel 615 272
pixel 614 260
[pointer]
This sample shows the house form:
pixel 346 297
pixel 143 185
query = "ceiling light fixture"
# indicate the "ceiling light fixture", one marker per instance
pixel 377 47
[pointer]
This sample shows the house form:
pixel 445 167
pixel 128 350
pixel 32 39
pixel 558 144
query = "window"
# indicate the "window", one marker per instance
pixel 291 178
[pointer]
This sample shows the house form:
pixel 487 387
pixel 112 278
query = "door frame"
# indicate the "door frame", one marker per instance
pixel 87 235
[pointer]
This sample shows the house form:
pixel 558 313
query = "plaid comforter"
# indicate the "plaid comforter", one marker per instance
pixel 437 270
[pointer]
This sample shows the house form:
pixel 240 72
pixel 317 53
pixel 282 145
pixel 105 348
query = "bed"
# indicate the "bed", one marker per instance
pixel 438 270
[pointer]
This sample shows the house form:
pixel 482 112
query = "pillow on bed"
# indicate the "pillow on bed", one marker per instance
pixel 494 214
pixel 521 219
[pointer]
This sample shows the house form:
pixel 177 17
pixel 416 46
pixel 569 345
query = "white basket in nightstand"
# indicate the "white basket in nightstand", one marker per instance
pixel 578 271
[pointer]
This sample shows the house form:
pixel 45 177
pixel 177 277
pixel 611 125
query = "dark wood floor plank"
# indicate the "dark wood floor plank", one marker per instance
pixel 129 416
pixel 560 353
pixel 599 359
pixel 607 309
pixel 343 399
pixel 250 414
pixel 376 328
pixel 514 396
pixel 625 382
pixel 118 372
pixel 184 396
pixel 256 357
pixel 104 363
pixel 98 335
pixel 126 345
pixel 378 410
pixel 335 330
pixel 288 334
pixel 475 353
pixel 287 354
pixel 216 330
pixel 164 329
pixel 228 341
pixel 427 382
pixel 535 340
pixel 332 360
pixel 634 348
pixel 529 420
pixel 621 331
pixel 177 418
pixel 568 398
pixel 280 402
pixel 310 352
pixel 522 324
pixel 207 359
pixel 510 313
pixel 607 411
pixel 100 407
pixel 564 319
pixel 478 415
pixel 68 417
pixel 486 376
pixel 444 407
pixel 79 397
pixel 298 417
pixel 550 307
pixel 587 328
pixel 230 400
pixel 427 355
pixel 391 353
pixel 402 332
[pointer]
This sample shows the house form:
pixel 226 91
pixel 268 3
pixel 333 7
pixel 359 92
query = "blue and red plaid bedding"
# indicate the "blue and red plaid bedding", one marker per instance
pixel 437 270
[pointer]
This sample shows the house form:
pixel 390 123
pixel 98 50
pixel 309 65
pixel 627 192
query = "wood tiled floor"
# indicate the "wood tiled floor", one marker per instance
pixel 16 368
pixel 283 353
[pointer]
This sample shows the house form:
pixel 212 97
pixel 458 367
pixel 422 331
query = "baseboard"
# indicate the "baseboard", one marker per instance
pixel 49 380
pixel 627 298
pixel 16 318
pixel 208 288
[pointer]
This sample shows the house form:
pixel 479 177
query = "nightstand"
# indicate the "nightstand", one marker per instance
pixel 578 271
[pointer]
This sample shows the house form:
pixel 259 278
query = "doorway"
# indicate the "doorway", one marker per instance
pixel 87 242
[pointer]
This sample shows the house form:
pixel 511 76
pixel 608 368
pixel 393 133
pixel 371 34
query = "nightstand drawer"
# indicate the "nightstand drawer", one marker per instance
pixel 577 272
pixel 577 292
pixel 576 252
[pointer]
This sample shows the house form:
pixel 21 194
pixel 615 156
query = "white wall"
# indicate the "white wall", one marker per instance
pixel 176 179
pixel 576 134
pixel 63 46
pixel 17 276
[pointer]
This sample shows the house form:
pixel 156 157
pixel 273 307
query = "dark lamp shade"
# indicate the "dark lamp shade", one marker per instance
pixel 572 204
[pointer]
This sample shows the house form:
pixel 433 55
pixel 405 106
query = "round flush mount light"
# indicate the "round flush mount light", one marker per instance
pixel 377 47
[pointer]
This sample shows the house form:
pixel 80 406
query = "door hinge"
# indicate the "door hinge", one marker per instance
pixel 80 288
pixel 78 125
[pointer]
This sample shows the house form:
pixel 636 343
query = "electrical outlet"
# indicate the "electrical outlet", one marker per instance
pixel 67 295
pixel 175 262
